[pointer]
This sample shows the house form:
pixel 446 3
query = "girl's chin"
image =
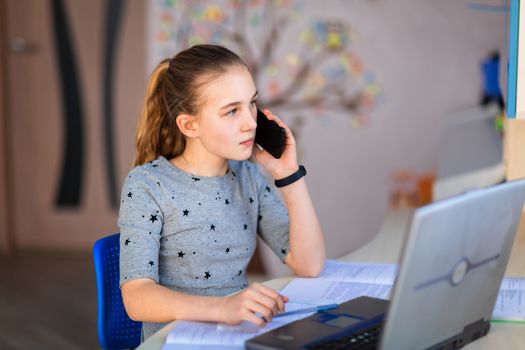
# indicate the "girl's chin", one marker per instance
pixel 242 156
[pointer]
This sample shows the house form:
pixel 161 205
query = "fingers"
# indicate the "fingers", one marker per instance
pixel 273 117
pixel 273 295
pixel 261 309
pixel 250 316
pixel 269 302
pixel 260 304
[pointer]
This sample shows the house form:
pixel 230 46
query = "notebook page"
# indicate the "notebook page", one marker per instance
pixel 320 291
pixel 359 272
pixel 510 304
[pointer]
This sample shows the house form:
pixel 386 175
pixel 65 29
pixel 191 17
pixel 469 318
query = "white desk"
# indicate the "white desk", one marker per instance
pixel 385 247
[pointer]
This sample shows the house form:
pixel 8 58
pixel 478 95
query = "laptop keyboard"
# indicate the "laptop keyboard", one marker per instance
pixel 366 339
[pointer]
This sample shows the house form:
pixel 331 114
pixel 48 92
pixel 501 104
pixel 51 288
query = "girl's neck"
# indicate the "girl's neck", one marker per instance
pixel 200 165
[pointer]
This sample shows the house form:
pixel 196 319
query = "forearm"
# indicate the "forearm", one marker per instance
pixel 307 248
pixel 148 301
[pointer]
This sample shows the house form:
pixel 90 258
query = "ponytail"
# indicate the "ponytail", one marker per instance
pixel 157 133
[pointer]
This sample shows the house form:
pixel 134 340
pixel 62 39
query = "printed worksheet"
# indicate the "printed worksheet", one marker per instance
pixel 202 335
pixel 510 305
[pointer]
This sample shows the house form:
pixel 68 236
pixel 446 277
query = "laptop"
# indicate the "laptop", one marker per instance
pixel 451 268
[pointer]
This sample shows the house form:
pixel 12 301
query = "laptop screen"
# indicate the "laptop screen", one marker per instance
pixel 452 265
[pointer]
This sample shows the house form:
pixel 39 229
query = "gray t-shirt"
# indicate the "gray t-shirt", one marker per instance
pixel 197 234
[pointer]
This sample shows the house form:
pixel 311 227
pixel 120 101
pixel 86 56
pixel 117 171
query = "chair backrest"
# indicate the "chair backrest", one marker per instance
pixel 115 329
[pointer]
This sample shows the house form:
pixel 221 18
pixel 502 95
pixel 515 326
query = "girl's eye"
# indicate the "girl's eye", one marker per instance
pixel 231 112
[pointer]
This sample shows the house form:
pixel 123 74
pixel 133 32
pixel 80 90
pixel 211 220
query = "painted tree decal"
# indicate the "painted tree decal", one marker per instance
pixel 304 66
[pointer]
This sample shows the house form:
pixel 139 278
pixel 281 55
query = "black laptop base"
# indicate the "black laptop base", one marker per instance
pixel 355 324
pixel 351 317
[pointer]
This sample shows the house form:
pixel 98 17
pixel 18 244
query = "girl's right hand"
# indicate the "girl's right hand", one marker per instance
pixel 256 299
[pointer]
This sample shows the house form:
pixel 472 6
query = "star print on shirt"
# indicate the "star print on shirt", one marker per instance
pixel 196 179
pixel 181 254
pixel 130 195
pixel 127 241
pixel 239 273
pixel 227 250
pixel 151 263
pixel 153 218
pixel 267 189
pixel 212 227
pixel 207 275
pixel 227 202
pixel 245 227
pixel 260 217
pixel 283 251
pixel 185 212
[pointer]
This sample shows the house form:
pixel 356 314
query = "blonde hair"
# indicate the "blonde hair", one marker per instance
pixel 173 89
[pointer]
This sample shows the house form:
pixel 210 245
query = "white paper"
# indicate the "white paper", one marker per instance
pixel 202 333
pixel 319 291
pixel 359 272
pixel 517 283
pixel 510 305
pixel 341 281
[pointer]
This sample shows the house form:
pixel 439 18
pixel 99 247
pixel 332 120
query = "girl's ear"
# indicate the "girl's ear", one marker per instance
pixel 187 125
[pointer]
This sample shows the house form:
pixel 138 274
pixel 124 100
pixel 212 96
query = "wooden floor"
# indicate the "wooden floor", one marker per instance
pixel 48 301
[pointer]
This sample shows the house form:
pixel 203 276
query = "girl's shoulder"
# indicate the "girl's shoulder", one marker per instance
pixel 148 172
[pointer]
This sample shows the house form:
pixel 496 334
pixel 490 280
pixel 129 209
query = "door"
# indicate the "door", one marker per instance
pixel 70 107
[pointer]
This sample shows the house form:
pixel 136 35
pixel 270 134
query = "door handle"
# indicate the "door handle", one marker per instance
pixel 21 45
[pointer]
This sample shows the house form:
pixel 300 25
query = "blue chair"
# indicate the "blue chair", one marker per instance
pixel 115 329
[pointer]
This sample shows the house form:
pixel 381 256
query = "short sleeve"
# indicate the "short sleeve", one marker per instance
pixel 140 221
pixel 273 223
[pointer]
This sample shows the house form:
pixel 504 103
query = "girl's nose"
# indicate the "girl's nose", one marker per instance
pixel 250 120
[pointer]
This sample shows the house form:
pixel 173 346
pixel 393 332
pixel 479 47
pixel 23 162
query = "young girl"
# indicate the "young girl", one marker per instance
pixel 193 204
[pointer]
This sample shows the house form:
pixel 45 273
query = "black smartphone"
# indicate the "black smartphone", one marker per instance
pixel 269 135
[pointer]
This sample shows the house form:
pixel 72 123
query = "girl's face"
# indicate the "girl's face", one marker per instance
pixel 227 120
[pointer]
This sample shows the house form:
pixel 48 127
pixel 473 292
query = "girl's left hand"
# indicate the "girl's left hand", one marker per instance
pixel 287 164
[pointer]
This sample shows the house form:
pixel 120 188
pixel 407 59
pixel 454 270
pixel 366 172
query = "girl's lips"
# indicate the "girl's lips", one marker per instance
pixel 247 142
